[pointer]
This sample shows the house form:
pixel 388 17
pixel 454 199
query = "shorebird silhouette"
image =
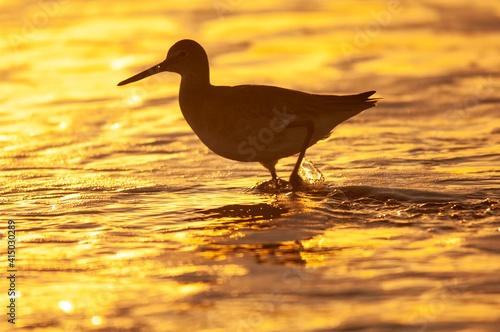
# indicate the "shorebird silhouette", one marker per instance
pixel 253 122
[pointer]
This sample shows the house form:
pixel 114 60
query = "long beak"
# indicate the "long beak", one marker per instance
pixel 148 72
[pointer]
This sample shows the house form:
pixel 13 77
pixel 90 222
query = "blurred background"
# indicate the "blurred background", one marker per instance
pixel 127 222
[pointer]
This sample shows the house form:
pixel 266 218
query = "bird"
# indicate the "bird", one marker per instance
pixel 253 123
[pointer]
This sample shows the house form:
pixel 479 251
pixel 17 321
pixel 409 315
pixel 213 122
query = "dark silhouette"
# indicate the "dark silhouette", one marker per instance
pixel 253 122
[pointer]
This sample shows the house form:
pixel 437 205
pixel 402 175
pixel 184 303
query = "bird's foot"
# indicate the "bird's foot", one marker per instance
pixel 273 186
pixel 308 178
pixel 296 181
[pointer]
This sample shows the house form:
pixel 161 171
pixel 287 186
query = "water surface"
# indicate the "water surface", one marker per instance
pixel 127 222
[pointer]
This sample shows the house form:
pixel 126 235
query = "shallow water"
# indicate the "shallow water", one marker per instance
pixel 127 222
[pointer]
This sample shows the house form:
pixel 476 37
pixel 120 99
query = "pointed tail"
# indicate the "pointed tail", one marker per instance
pixel 365 97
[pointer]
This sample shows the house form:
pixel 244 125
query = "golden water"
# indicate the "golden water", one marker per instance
pixel 126 222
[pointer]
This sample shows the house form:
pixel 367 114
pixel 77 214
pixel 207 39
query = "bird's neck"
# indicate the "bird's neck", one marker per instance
pixel 193 92
pixel 194 86
pixel 197 74
pixel 194 82
pixel 195 79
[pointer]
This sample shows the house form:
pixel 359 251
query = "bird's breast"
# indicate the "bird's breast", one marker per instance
pixel 245 134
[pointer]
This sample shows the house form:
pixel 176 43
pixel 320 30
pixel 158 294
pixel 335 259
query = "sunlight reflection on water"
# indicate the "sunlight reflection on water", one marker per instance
pixel 127 222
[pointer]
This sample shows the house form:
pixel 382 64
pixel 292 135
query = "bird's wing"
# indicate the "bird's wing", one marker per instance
pixel 263 103
pixel 247 113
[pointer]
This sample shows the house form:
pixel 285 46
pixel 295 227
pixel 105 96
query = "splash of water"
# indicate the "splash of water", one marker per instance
pixel 311 176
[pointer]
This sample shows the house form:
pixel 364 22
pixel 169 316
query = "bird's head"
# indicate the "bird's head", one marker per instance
pixel 186 57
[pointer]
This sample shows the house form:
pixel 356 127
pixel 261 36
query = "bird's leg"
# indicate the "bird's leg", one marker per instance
pixel 271 166
pixel 295 179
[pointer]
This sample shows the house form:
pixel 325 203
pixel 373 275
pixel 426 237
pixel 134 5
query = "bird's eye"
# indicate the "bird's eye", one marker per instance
pixel 182 54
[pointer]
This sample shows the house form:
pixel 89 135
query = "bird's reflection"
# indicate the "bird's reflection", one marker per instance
pixel 300 228
pixel 244 212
